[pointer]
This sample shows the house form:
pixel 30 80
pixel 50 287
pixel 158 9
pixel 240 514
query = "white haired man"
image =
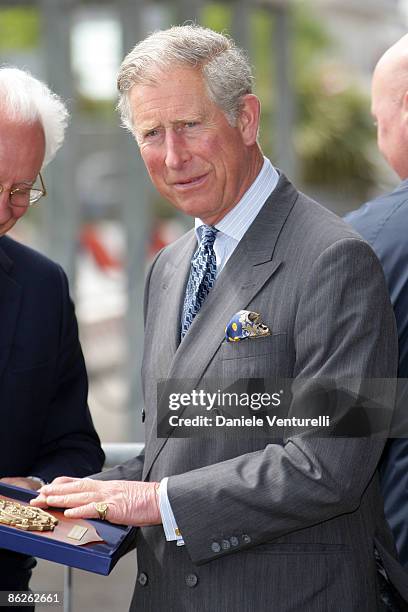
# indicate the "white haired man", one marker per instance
pixel 46 428
pixel 235 521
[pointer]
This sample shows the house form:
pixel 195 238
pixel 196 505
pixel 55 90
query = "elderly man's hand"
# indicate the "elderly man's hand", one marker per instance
pixel 129 503
pixel 21 481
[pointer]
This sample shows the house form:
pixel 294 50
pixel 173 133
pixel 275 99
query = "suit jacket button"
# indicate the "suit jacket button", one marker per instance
pixel 246 539
pixel 234 541
pixel 142 580
pixel 143 415
pixel 191 580
pixel 215 547
pixel 225 545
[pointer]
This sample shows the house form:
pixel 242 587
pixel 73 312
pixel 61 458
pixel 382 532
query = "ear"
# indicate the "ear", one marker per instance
pixel 248 118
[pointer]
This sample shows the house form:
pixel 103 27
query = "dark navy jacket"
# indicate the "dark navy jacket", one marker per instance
pixel 383 222
pixel 45 425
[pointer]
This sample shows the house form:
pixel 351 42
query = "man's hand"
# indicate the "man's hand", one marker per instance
pixel 129 503
pixel 20 481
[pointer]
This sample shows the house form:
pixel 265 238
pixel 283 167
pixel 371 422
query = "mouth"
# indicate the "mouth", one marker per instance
pixel 190 183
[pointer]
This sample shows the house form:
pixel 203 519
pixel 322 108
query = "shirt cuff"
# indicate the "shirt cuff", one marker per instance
pixel 171 531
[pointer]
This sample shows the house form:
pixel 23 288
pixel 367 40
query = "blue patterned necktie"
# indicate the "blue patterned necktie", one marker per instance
pixel 202 277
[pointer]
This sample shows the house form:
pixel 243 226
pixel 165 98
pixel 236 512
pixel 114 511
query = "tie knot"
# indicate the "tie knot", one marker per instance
pixel 208 235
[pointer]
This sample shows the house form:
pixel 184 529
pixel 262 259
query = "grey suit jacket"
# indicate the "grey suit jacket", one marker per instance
pixel 269 526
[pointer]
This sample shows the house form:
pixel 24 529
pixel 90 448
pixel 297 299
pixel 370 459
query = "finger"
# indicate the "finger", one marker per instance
pixel 67 487
pixel 39 502
pixel 89 511
pixel 86 511
pixel 63 479
pixel 72 500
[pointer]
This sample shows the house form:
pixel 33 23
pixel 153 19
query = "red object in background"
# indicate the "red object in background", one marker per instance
pixel 92 242
pixel 164 232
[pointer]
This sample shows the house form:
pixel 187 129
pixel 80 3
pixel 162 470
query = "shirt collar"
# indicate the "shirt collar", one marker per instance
pixel 237 221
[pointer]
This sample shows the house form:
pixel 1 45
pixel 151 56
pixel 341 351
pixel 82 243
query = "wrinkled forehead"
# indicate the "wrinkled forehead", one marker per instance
pixel 175 95
pixel 11 120
pixel 158 74
pixel 21 142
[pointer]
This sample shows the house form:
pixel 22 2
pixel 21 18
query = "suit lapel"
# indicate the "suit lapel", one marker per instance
pixel 246 272
pixel 172 296
pixel 10 296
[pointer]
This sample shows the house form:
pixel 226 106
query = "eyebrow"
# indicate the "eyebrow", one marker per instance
pixel 24 182
pixel 29 182
pixel 148 128
pixel 145 130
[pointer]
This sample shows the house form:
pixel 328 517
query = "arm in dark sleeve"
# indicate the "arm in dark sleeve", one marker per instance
pixel 70 444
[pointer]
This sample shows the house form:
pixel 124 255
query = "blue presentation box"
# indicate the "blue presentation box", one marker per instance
pixel 98 557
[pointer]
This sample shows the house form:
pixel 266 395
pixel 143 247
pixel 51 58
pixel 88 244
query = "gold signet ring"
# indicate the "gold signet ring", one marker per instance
pixel 102 510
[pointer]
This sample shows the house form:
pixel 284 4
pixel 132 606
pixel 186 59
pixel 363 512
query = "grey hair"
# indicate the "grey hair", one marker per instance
pixel 26 99
pixel 226 69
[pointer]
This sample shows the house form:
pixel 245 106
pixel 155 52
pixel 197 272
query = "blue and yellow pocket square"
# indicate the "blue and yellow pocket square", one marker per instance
pixel 245 324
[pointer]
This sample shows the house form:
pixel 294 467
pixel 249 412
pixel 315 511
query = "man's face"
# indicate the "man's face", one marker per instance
pixel 22 148
pixel 195 159
pixel 392 137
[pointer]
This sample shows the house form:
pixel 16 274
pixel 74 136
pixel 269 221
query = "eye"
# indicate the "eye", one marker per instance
pixel 191 124
pixel 20 197
pixel 151 134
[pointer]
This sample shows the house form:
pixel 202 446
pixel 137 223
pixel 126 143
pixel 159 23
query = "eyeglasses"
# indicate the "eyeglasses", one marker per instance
pixel 23 197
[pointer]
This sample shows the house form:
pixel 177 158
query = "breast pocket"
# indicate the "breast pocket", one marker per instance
pixel 256 357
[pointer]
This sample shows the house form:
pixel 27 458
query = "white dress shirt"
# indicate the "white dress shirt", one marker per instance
pixel 231 229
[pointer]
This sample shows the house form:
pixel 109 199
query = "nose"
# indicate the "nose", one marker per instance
pixel 177 152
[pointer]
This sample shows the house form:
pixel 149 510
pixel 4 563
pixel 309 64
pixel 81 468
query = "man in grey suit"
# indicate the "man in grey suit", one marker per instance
pixel 242 522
